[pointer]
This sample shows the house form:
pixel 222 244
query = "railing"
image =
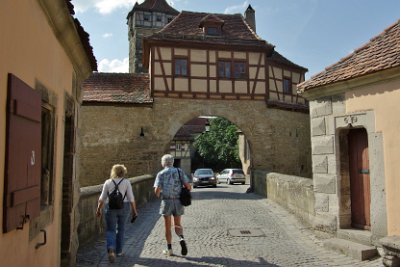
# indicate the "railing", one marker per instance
pixel 90 225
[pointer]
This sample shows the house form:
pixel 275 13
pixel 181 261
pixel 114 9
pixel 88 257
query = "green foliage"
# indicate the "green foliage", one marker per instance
pixel 219 146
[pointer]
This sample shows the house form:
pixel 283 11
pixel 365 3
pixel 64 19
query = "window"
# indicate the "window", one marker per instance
pixel 224 69
pixel 46 180
pixel 239 70
pixel 146 17
pixel 178 147
pixel 212 31
pixel 181 67
pixel 158 18
pixel 170 19
pixel 287 86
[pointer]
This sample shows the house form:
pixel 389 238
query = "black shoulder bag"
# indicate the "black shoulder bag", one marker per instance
pixel 185 197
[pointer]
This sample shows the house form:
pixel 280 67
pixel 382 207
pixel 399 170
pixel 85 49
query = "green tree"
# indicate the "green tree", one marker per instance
pixel 219 146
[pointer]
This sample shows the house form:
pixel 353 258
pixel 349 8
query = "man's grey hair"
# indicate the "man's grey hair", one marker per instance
pixel 167 160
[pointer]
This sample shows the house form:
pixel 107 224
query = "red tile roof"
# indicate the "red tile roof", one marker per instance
pixel 186 28
pixel 191 128
pixel 278 58
pixel 154 6
pixel 380 53
pixel 128 88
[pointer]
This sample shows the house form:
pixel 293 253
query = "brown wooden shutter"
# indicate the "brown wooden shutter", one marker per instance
pixel 23 155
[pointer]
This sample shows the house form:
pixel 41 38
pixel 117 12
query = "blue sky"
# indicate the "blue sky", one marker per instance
pixel 311 33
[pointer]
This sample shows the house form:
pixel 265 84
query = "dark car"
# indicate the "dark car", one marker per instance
pixel 204 177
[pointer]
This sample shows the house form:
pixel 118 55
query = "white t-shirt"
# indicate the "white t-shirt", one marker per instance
pixel 124 186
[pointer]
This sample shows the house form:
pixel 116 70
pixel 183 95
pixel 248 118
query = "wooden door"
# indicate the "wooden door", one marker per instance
pixel 359 179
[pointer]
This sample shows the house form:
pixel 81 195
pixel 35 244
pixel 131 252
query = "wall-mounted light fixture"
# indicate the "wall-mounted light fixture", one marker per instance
pixel 207 126
pixel 141 132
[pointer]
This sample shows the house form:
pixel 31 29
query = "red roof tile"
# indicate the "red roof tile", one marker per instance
pixel 276 57
pixel 186 28
pixel 191 128
pixel 380 53
pixel 126 88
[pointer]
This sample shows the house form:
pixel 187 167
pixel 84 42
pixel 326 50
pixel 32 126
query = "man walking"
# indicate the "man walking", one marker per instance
pixel 168 186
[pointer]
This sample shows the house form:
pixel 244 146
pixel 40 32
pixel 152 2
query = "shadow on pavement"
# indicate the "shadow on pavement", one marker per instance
pixel 196 262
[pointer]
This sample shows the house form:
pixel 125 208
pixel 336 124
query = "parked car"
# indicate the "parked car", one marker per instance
pixel 204 177
pixel 231 176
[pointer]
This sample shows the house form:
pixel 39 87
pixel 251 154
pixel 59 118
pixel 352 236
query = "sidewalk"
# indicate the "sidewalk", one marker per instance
pixel 223 227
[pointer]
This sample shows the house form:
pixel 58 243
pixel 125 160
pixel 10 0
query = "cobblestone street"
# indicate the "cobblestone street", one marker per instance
pixel 223 227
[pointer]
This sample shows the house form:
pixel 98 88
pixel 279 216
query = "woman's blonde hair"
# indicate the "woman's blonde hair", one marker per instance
pixel 118 171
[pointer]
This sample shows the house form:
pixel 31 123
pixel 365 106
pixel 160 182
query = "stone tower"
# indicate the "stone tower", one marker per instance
pixel 143 20
pixel 250 17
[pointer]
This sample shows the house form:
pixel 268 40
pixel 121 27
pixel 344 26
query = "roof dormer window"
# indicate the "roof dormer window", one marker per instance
pixel 212 25
pixel 212 31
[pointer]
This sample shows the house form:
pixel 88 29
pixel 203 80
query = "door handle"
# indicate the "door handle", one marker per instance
pixel 363 171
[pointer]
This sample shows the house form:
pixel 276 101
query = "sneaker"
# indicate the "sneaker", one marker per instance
pixel 111 255
pixel 168 252
pixel 184 250
pixel 120 254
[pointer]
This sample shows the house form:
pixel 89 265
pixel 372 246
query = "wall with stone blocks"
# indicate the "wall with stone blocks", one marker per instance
pixel 90 225
pixel 294 193
pixel 279 139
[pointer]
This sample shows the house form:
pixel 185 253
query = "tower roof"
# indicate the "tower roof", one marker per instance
pixel 154 6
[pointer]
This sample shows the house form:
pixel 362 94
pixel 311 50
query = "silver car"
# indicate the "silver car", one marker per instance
pixel 231 176
pixel 204 177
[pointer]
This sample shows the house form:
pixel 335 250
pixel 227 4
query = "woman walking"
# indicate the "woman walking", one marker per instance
pixel 119 201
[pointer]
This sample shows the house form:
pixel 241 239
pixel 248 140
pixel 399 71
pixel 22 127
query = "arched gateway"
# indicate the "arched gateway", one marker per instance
pixel 199 64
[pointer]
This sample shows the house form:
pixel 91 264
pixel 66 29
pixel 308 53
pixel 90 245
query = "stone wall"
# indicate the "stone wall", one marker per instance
pixel 279 139
pixel 90 225
pixel 294 193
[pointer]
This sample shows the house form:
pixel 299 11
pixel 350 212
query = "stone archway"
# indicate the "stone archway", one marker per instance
pixel 280 139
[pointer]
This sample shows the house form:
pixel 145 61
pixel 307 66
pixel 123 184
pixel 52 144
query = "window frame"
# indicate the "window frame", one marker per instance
pixel 216 30
pixel 180 67
pixel 233 74
pixel 227 68
pixel 47 153
pixel 287 90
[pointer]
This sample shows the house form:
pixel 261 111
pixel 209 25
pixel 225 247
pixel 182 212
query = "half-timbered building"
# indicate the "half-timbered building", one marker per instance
pixel 200 64
pixel 219 56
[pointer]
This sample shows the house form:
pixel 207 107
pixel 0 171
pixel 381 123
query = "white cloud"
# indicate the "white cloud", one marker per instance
pixel 237 8
pixel 103 6
pixel 81 6
pixel 108 6
pixel 114 65
pixel 107 35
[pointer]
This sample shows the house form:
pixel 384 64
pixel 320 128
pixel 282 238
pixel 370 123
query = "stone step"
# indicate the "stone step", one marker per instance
pixel 355 235
pixel 352 249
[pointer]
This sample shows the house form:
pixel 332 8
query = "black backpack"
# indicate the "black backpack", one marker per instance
pixel 115 198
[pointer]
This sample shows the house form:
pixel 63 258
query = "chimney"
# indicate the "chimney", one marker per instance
pixel 250 17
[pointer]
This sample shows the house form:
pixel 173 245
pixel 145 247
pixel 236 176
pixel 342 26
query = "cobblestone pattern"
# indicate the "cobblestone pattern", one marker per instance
pixel 207 222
